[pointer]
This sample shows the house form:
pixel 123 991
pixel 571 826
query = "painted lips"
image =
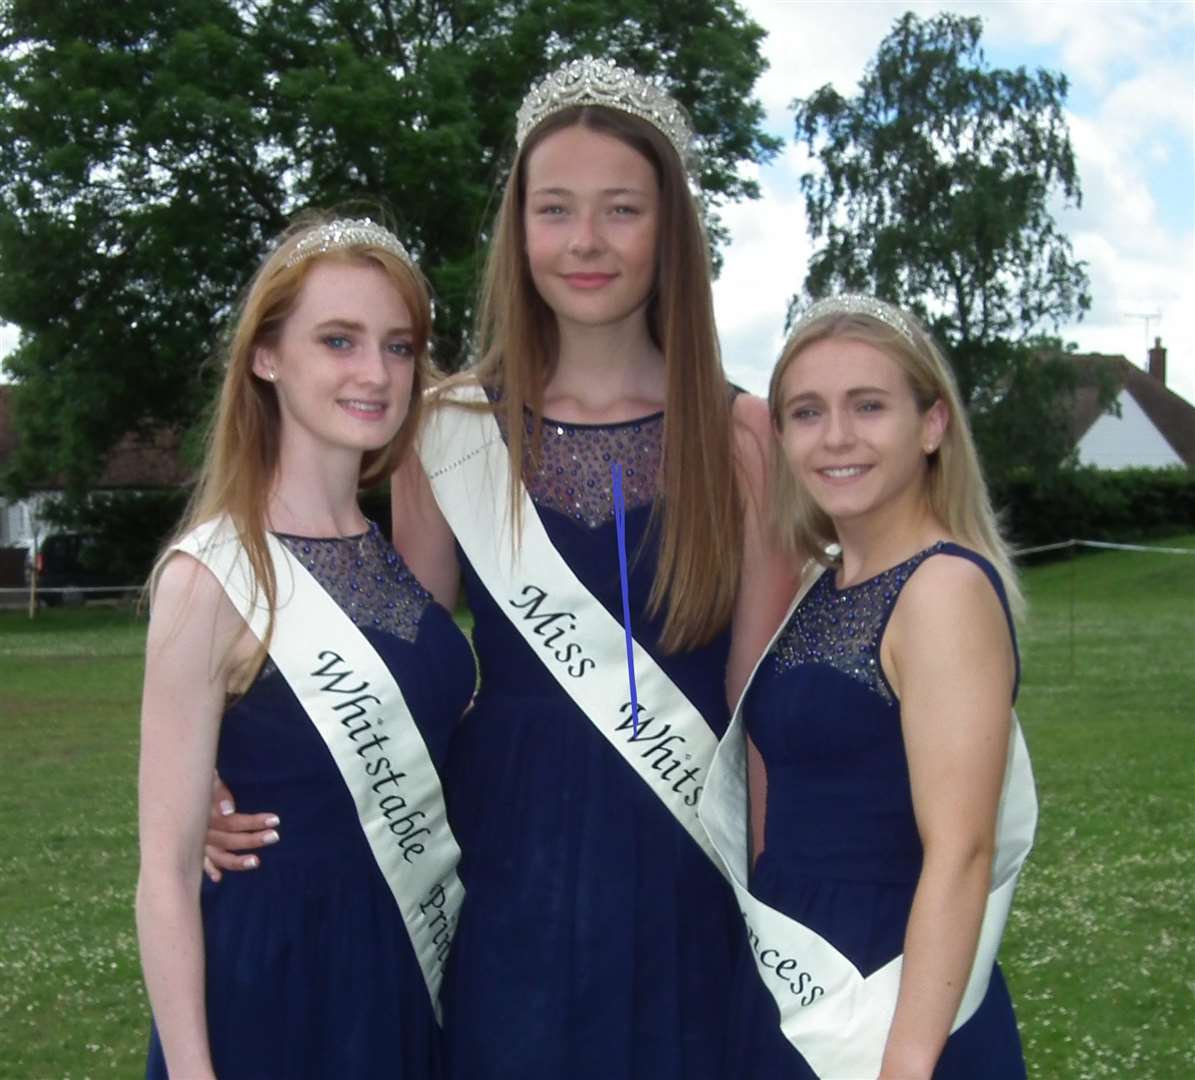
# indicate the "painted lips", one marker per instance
pixel 588 281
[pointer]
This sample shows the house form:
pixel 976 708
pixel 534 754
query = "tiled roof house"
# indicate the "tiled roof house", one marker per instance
pixel 1155 427
pixel 133 465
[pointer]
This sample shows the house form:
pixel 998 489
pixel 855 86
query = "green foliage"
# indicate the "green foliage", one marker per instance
pixel 129 528
pixel 1097 504
pixel 933 188
pixel 151 151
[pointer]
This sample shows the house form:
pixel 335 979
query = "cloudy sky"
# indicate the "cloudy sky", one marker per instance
pixel 1131 110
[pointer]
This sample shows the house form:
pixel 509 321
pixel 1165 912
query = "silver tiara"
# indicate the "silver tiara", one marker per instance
pixel 345 233
pixel 856 304
pixel 601 82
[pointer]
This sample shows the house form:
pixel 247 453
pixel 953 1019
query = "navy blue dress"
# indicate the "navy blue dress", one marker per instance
pixel 841 849
pixel 310 971
pixel 596 938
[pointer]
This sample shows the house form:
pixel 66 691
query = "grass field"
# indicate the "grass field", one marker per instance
pixel 1099 952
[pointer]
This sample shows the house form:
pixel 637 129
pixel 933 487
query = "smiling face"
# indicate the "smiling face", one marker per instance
pixel 344 360
pixel 852 432
pixel 590 225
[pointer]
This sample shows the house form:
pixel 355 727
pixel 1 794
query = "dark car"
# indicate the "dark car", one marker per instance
pixel 69 562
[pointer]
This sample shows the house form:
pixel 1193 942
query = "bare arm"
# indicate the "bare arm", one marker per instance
pixel 421 534
pixel 767 584
pixel 192 630
pixel 949 656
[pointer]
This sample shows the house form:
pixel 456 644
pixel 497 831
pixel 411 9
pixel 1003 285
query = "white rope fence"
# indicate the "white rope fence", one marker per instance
pixel 23 590
pixel 1071 546
pixel 1061 545
pixel 1101 544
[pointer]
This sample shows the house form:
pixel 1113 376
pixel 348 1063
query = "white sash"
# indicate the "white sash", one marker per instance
pixel 573 634
pixel 357 707
pixel 835 1017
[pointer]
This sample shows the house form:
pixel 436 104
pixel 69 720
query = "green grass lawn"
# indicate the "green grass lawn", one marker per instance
pixel 1099 951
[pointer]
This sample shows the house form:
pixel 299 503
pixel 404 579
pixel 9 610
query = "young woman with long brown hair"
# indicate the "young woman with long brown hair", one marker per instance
pixel 596 934
pixel 290 646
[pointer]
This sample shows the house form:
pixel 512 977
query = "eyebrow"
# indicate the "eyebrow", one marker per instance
pixel 604 191
pixel 853 392
pixel 356 327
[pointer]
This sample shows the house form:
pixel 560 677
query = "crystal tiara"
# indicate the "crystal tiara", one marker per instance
pixel 346 233
pixel 589 81
pixel 856 304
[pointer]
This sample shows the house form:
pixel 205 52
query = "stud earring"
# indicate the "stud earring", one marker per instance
pixel 273 375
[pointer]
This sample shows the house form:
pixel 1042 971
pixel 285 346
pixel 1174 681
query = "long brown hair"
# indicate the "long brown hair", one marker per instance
pixel 954 484
pixel 242 442
pixel 699 520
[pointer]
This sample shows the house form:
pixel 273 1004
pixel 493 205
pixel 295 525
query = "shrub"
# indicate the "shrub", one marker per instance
pixel 1085 503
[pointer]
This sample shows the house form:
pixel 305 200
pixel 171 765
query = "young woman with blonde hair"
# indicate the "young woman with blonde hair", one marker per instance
pixel 894 801
pixel 291 647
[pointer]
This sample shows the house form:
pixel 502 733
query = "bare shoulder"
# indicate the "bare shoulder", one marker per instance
pixel 752 440
pixel 751 419
pixel 948 587
pixel 183 582
pixel 191 617
pixel 948 609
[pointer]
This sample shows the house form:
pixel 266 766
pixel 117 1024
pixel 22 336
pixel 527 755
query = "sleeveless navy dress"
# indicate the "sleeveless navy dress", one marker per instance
pixel 596 938
pixel 841 849
pixel 310 971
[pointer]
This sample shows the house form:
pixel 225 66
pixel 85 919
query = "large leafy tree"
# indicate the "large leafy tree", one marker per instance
pixel 150 151
pixel 934 187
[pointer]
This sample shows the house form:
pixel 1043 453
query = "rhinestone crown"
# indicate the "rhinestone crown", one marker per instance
pixel 590 81
pixel 856 304
pixel 345 233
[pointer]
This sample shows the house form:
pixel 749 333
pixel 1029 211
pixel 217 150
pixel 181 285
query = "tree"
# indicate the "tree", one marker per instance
pixel 933 189
pixel 150 151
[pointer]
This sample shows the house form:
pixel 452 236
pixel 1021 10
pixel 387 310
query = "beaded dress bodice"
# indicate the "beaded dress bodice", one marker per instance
pixel 572 473
pixel 842 628
pixel 367 579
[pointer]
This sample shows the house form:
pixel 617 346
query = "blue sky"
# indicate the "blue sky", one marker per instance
pixel 1131 110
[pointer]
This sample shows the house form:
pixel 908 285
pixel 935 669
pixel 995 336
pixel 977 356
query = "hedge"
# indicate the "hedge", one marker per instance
pixel 1095 504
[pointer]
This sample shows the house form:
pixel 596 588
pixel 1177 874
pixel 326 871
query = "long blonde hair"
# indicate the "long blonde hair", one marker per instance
pixel 243 439
pixel 955 487
pixel 699 520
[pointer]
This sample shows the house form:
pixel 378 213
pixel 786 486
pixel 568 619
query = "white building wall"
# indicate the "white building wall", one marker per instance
pixel 1126 441
pixel 19 521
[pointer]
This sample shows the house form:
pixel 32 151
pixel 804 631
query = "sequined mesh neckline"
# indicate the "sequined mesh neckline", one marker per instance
pixel 842 628
pixel 367 579
pixel 572 476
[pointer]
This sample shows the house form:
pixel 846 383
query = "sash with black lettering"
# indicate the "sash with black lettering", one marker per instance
pixel 348 693
pixel 835 1017
pixel 566 626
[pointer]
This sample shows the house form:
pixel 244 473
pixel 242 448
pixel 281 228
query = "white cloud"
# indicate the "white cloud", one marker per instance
pixel 1130 66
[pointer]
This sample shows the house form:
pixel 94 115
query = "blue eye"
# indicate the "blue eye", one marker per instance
pixel 404 349
pixel 806 412
pixel 336 342
pixel 871 406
